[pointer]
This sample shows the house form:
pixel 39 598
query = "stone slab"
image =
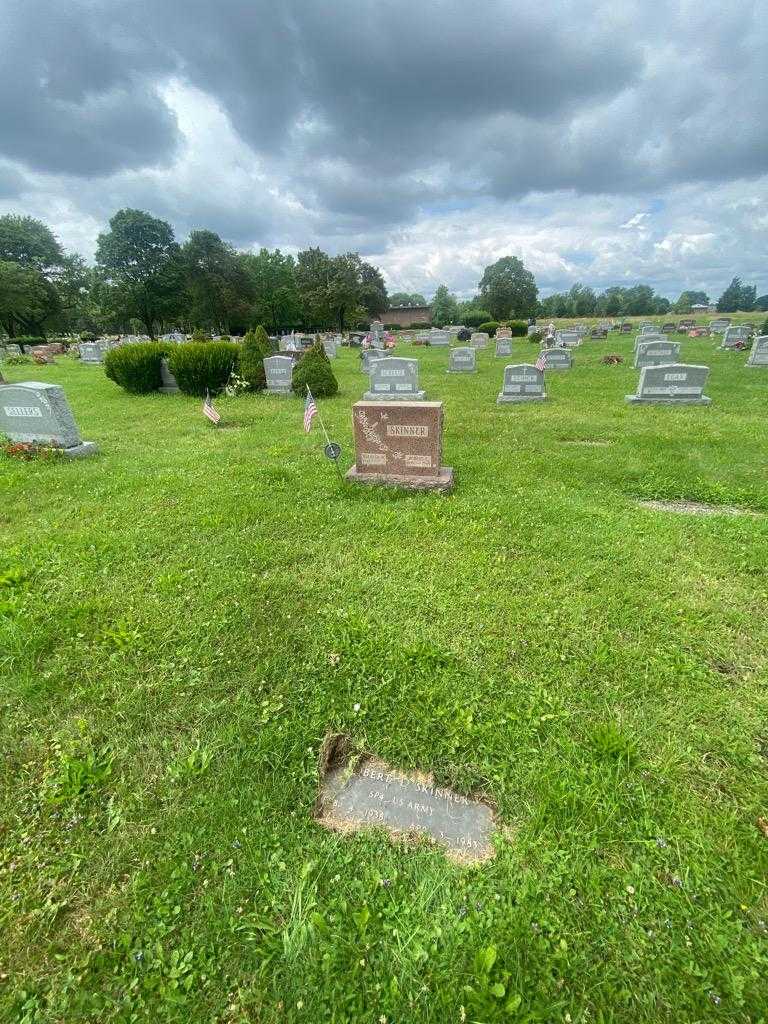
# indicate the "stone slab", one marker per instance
pixel 371 794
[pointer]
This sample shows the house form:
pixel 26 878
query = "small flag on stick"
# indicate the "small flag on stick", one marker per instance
pixel 310 410
pixel 209 411
pixel 541 362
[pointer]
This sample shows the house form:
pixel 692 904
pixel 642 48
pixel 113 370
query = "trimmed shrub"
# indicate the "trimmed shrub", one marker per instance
pixel 475 317
pixel 314 370
pixel 536 335
pixel 420 326
pixel 392 327
pixel 519 328
pixel 87 336
pixel 200 335
pixel 254 348
pixel 203 366
pixel 136 368
pixel 489 327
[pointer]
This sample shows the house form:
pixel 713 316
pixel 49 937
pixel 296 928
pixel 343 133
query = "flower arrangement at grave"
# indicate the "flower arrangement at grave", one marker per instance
pixel 612 359
pixel 30 451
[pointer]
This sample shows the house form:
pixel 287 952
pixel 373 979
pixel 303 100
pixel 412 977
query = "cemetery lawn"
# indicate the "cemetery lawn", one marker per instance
pixel 184 617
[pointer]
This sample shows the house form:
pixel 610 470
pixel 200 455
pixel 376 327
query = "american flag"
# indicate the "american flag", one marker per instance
pixel 541 362
pixel 310 410
pixel 209 411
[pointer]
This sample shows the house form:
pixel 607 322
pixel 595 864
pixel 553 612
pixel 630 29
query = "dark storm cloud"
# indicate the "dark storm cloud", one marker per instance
pixel 77 90
pixel 371 113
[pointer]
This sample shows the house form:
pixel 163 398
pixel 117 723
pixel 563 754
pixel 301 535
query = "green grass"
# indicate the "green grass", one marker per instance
pixel 185 616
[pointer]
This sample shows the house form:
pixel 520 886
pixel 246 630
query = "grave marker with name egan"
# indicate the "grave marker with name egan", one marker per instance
pixel 673 384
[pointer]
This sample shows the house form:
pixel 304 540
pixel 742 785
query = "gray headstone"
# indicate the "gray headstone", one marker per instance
pixel 369 356
pixel 13 350
pixel 439 339
pixel 39 413
pixel 394 379
pixel 479 339
pixel 329 344
pixel 656 353
pixel 759 354
pixel 719 326
pixel 568 339
pixel 91 352
pixel 522 383
pixel 462 360
pixel 503 346
pixel 672 384
pixel 735 335
pixel 645 339
pixel 278 371
pixel 557 358
pixel 169 385
pixel 649 329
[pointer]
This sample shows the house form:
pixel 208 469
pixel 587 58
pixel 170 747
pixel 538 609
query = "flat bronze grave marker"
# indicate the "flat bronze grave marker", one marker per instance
pixel 369 793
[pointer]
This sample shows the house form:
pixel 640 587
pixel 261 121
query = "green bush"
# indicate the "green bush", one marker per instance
pixel 252 353
pixel 489 327
pixel 475 317
pixel 420 326
pixel 136 368
pixel 203 366
pixel 519 328
pixel 200 335
pixel 764 328
pixel 314 371
pixel 87 336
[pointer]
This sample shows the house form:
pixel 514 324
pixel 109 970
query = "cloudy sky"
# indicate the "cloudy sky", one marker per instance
pixel 603 142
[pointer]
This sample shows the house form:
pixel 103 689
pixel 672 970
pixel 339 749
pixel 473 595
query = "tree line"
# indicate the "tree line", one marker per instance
pixel 145 281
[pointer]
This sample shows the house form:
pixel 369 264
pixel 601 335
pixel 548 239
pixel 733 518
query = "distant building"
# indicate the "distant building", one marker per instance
pixel 701 307
pixel 404 316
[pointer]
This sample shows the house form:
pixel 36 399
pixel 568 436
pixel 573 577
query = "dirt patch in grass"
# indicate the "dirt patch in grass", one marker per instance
pixel 697 508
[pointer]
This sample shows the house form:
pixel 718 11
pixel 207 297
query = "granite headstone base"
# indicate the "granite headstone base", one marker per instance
pixel 506 399
pixel 81 451
pixel 635 400
pixel 442 482
pixel 394 396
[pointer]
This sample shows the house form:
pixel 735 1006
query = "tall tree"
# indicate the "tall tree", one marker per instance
pixel 27 299
pixel 140 263
pixel 219 290
pixel 275 292
pixel 30 243
pixel 737 296
pixel 508 289
pixel 406 299
pixel 373 291
pixel 688 299
pixel 444 306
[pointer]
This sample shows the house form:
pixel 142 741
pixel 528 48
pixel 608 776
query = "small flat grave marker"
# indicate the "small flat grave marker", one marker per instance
pixel 394 379
pixel 462 360
pixel 522 383
pixel 673 384
pixel 372 794
pixel 656 353
pixel 279 373
pixel 37 413
pixel 759 354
